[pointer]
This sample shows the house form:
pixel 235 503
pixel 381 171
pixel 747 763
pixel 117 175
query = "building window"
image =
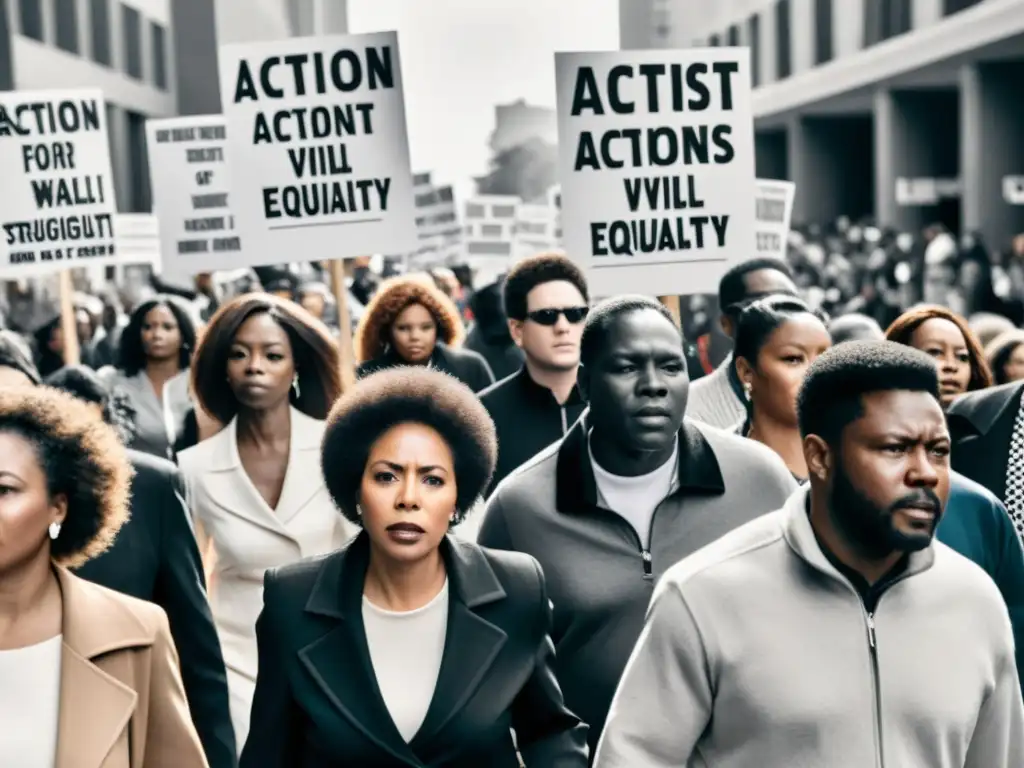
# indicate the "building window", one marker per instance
pixel 31 14
pixel 100 19
pixel 714 41
pixel 734 36
pixel 141 201
pixel 949 7
pixel 754 35
pixel 884 19
pixel 131 26
pixel 67 25
pixel 783 54
pixel 822 31
pixel 159 55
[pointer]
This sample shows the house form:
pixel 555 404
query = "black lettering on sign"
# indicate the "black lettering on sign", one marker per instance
pixel 208 155
pixel 301 74
pixel 302 123
pixel 691 88
pixel 45 118
pixel 658 147
pixel 219 200
pixel 770 210
pixel 658 235
pixel 326 198
pixel 769 241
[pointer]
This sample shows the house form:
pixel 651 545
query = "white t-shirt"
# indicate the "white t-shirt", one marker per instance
pixel 30 704
pixel 406 649
pixel 635 498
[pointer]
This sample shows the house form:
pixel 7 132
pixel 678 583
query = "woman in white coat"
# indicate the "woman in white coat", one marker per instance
pixel 269 371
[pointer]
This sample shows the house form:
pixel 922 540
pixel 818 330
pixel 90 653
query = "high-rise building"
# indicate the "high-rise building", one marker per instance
pixel 858 100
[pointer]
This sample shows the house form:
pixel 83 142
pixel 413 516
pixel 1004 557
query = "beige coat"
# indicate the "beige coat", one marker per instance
pixel 122 703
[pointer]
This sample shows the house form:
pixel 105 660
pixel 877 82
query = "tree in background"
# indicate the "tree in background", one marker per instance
pixel 527 170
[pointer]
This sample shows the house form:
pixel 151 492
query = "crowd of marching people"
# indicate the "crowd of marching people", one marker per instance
pixel 541 529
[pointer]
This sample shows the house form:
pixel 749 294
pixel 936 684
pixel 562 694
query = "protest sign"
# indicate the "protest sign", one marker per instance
pixel 319 152
pixel 773 208
pixel 57 200
pixel 656 162
pixel 188 166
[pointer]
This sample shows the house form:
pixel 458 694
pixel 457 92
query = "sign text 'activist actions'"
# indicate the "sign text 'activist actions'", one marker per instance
pixel 318 146
pixel 656 162
pixel 57 200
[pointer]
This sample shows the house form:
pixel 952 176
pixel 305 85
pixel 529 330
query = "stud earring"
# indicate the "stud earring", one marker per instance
pixel 295 386
pixel 748 389
pixel 359 510
pixel 54 531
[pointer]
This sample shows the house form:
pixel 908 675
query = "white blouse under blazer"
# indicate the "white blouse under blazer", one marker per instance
pixel 249 537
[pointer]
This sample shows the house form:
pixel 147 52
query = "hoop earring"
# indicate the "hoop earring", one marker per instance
pixel 54 530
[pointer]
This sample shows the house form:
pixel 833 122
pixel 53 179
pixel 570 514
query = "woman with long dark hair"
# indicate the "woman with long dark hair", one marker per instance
pixel 268 371
pixel 152 372
pixel 777 339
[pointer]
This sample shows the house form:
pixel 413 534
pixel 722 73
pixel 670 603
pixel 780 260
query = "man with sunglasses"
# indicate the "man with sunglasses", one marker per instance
pixel 717 399
pixel 546 302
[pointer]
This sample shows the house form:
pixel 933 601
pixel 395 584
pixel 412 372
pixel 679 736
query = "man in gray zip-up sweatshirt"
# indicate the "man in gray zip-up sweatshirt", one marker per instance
pixel 832 633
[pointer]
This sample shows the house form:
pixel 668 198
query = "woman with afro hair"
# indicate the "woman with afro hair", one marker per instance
pixel 87 676
pixel 408 646
pixel 409 321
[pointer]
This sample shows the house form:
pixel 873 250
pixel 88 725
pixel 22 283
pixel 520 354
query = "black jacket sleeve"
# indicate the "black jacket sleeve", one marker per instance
pixel 181 592
pixel 273 741
pixel 547 733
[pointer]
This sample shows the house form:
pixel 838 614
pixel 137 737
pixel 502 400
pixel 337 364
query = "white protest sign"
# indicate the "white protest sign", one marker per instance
pixel 773 208
pixel 138 238
pixel 57 201
pixel 656 161
pixel 188 166
pixel 318 145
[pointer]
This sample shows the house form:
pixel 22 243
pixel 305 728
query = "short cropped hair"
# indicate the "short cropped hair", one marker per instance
pixel 732 288
pixel 537 270
pixel 403 395
pixel 82 458
pixel 16 355
pixel 314 352
pixel 759 320
pixel 832 393
pixel 131 357
pixel 601 318
pixel 848 327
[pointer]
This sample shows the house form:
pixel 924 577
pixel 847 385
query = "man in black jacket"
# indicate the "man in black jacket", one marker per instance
pixel 155 558
pixel 546 300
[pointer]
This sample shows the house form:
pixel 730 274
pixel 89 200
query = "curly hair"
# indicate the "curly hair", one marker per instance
pixel 536 270
pixel 902 331
pixel 314 351
pixel 82 458
pixel 373 334
pixel 403 395
pixel 131 357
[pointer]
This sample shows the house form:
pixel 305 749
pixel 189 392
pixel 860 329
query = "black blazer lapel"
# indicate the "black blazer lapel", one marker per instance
pixel 472 643
pixel 982 426
pixel 339 661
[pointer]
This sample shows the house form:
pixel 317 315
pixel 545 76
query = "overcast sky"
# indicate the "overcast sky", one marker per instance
pixel 461 57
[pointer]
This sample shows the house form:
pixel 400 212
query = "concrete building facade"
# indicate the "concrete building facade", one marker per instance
pixel 856 100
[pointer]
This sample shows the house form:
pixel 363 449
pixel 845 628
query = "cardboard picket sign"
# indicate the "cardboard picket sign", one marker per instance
pixel 319 149
pixel 57 201
pixel 190 178
pixel 656 163
pixel 774 211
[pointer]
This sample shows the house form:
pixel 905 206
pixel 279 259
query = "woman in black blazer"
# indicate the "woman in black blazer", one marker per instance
pixel 410 322
pixel 408 647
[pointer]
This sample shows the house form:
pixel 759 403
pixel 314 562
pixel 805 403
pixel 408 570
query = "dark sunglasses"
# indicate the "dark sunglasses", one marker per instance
pixel 550 316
